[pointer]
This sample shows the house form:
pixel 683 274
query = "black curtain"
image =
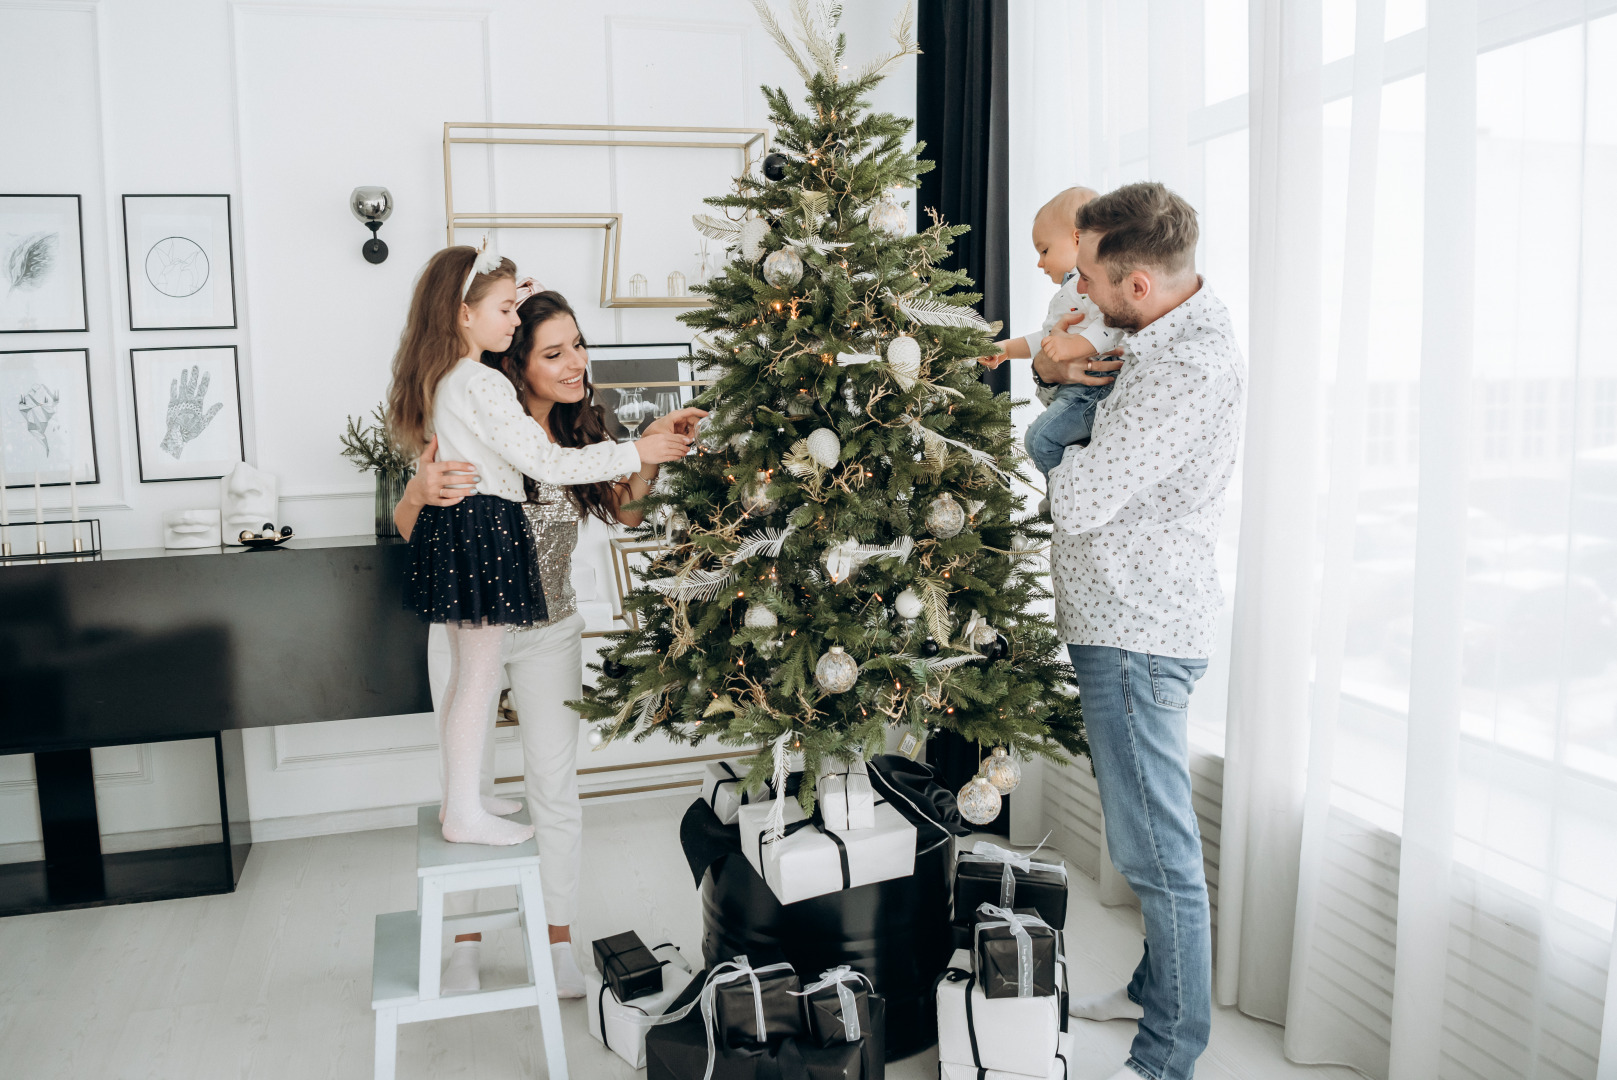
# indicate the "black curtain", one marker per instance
pixel 962 116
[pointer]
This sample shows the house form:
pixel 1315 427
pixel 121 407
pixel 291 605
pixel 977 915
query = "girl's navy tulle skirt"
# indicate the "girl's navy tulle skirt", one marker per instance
pixel 472 564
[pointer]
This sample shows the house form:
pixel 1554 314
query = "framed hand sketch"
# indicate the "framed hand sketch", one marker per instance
pixel 187 412
pixel 181 273
pixel 635 384
pixel 46 424
pixel 42 264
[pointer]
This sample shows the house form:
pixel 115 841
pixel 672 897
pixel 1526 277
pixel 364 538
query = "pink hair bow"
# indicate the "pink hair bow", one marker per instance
pixel 527 287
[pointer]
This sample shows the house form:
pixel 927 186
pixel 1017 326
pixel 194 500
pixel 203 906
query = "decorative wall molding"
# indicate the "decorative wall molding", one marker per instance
pixel 142 773
pixel 285 759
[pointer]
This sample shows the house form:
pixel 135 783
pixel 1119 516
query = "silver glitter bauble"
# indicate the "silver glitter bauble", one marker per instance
pixel 759 617
pixel 837 671
pixel 751 238
pixel 1002 770
pixel 984 634
pixel 783 268
pixel 904 358
pixel 824 447
pixel 755 496
pixel 678 524
pixel 888 217
pixel 979 801
pixel 945 517
pixel 907 604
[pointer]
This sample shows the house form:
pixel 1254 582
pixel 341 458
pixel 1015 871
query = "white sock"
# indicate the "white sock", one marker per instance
pixel 569 980
pixel 461 974
pixel 496 806
pixel 476 678
pixel 1113 1006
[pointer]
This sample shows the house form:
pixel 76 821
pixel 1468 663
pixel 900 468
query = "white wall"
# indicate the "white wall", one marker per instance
pixel 287 107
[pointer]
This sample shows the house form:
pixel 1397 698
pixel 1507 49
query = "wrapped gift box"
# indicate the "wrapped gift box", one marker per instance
pixel 1000 957
pixel 801 1059
pixel 990 874
pixel 679 1050
pixel 1056 1071
pixel 622 1027
pixel 738 1003
pixel 846 800
pixel 722 790
pixel 628 966
pixel 831 1001
pixel 1017 1036
pixel 809 861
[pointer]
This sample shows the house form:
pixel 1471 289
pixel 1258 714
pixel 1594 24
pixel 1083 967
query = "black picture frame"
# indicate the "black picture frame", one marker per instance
pixel 84 296
pixel 131 275
pixel 11 463
pixel 657 366
pixel 145 432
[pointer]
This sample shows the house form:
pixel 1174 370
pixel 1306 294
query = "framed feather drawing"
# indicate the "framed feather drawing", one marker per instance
pixel 180 269
pixel 46 425
pixel 41 264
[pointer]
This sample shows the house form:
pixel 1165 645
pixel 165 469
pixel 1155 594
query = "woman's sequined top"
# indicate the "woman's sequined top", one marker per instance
pixel 553 516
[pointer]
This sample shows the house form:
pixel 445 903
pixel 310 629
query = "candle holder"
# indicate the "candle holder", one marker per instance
pixel 34 541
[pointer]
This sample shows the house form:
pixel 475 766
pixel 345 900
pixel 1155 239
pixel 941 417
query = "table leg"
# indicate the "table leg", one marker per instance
pixel 71 833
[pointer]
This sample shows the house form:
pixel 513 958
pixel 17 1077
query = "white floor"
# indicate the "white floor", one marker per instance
pixel 273 981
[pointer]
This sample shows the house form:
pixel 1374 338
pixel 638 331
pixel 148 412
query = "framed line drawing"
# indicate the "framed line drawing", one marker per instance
pixel 46 418
pixel 187 412
pixel 42 264
pixel 180 269
pixel 635 384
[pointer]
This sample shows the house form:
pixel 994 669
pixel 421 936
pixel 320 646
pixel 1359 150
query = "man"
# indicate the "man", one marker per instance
pixel 1136 516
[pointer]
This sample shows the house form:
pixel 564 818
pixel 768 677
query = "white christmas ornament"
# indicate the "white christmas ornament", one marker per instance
pixel 1002 770
pixel 907 604
pixel 755 496
pixel 888 217
pixel 759 617
pixel 904 358
pixel 594 737
pixel 1024 547
pixel 945 517
pixel 837 672
pixel 824 447
pixel 979 801
pixel 783 268
pixel 751 237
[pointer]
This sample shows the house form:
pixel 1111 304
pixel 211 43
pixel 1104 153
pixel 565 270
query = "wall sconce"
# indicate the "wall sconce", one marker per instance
pixel 372 205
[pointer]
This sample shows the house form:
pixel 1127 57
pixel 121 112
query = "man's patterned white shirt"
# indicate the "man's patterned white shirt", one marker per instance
pixel 1137 511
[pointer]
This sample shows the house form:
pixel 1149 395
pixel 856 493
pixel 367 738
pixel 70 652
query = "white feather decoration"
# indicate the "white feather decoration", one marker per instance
pixel 766 542
pixel 929 437
pixel 937 313
pixel 850 359
pixel 715 228
pixel 698 585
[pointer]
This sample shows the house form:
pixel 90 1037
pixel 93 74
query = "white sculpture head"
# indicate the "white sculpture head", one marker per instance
pixel 191 528
pixel 247 500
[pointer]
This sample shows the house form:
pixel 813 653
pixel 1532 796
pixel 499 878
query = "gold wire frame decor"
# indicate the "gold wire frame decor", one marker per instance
pixel 751 143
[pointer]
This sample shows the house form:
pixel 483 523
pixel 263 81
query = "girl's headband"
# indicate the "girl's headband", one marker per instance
pixel 486 262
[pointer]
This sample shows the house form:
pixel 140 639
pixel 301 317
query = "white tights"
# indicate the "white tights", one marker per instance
pixel 474 680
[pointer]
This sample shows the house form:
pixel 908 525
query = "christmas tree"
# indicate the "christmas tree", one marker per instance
pixel 842 553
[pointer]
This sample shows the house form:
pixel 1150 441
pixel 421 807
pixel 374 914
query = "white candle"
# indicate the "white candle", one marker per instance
pixel 5 515
pixel 39 513
pixel 73 503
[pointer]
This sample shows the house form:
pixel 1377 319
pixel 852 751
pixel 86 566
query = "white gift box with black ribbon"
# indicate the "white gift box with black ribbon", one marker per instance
pixel 810 861
pixel 845 797
pixel 1020 1036
pixel 1057 1071
pixel 723 790
pixel 622 1026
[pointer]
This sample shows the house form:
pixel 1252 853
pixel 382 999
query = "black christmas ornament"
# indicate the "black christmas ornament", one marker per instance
pixel 774 166
pixel 1000 649
pixel 612 669
pixel 929 647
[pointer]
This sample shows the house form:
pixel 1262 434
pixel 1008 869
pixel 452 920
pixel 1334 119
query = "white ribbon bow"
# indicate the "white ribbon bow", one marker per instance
pixel 1024 943
pixel 992 852
pixel 727 972
pixel 840 977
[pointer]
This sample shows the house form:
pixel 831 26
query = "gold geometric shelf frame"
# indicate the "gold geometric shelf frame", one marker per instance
pixel 753 143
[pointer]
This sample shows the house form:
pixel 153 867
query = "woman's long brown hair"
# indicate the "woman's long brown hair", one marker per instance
pixel 572 423
pixel 431 344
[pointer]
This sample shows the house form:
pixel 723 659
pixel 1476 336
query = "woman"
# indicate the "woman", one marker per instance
pixel 549 366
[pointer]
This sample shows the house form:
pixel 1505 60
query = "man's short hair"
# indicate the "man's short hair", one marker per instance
pixel 1142 225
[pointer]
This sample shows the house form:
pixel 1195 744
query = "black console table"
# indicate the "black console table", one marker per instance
pixel 154 646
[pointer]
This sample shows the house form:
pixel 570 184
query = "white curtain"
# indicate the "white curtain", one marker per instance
pixel 1418 829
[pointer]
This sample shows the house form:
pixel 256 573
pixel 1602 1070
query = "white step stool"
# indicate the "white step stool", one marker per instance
pixel 409 944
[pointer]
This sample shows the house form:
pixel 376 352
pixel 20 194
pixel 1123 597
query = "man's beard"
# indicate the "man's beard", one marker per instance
pixel 1123 317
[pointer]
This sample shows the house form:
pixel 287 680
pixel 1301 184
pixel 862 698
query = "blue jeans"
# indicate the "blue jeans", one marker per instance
pixel 1069 419
pixel 1134 711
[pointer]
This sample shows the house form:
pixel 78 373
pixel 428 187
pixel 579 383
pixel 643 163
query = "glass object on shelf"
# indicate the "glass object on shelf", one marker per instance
pixel 676 284
pixel 667 402
pixel 637 285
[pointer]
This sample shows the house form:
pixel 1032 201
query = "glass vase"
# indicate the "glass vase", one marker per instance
pixel 389 490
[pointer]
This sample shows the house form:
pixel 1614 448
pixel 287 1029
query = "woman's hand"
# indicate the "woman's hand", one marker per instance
pixel 439 483
pixel 654 449
pixel 680 421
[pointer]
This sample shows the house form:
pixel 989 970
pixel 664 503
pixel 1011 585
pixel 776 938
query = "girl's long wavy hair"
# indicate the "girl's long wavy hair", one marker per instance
pixel 572 423
pixel 431 344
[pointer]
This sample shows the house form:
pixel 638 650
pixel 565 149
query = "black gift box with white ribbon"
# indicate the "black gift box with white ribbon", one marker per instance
pixel 836 1007
pixel 738 1004
pixel 990 874
pixel 628 966
pixel 1016 954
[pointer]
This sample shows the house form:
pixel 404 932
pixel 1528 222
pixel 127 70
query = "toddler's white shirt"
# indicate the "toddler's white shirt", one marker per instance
pixel 1093 329
pixel 478 418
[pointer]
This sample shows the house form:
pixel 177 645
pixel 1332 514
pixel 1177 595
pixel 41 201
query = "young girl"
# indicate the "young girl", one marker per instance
pixel 471 562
